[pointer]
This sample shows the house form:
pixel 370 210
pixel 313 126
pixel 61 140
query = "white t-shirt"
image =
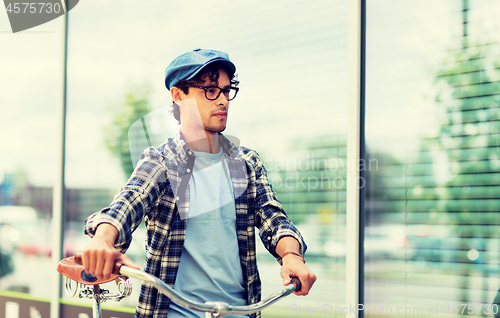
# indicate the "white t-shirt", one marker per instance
pixel 210 268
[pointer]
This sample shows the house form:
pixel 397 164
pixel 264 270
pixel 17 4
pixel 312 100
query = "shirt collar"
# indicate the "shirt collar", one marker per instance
pixel 181 148
pixel 230 149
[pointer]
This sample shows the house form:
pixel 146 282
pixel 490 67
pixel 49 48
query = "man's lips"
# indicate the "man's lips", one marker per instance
pixel 220 114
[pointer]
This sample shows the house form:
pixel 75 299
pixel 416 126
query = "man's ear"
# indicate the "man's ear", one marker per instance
pixel 177 94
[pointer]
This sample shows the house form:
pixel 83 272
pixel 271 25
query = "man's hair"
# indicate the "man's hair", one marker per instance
pixel 212 72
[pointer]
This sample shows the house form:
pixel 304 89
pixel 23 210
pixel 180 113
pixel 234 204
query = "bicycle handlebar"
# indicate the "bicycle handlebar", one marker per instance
pixel 217 309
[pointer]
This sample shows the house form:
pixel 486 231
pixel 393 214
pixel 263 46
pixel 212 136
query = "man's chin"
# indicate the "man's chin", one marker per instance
pixel 215 130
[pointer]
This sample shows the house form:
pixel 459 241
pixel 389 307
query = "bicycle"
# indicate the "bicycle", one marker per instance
pixel 88 286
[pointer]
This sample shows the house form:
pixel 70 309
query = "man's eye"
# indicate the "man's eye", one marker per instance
pixel 212 90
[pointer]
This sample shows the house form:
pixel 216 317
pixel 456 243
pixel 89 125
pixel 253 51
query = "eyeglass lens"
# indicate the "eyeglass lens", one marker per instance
pixel 212 93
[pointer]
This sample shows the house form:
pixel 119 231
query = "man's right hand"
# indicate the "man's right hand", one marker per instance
pixel 100 256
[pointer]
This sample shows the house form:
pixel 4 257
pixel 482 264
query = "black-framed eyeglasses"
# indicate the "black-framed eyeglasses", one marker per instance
pixel 213 92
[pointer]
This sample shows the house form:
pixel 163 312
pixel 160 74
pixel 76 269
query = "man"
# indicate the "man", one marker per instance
pixel 201 198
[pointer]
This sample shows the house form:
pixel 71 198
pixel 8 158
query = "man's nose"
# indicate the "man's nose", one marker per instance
pixel 222 100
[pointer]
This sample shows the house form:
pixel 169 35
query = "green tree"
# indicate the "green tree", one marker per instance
pixel 469 135
pixel 135 105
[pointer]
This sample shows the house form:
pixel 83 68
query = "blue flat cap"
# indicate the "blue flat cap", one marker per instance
pixel 187 65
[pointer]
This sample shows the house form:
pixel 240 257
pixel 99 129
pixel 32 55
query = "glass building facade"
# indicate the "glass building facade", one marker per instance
pixel 430 125
pixel 432 111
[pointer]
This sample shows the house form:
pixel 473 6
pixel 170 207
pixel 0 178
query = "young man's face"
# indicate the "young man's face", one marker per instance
pixel 210 115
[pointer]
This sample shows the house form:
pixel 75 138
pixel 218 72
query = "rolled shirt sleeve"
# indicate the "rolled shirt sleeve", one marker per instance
pixel 272 221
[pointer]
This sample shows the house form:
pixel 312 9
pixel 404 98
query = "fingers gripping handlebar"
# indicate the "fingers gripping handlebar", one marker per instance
pixel 116 268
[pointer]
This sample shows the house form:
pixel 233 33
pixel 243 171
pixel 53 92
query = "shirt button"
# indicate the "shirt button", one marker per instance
pixel 177 198
pixel 268 238
pixel 188 170
pixel 190 152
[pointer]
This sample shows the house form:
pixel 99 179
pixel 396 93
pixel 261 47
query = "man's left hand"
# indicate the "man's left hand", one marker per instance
pixel 293 266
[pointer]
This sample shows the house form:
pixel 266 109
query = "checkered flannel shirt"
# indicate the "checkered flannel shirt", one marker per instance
pixel 151 193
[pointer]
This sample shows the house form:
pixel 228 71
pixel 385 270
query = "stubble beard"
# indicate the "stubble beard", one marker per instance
pixel 214 128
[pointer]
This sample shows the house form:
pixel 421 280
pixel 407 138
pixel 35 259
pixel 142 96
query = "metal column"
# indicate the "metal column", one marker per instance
pixel 58 190
pixel 355 152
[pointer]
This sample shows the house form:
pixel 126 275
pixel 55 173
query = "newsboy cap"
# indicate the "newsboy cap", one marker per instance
pixel 187 65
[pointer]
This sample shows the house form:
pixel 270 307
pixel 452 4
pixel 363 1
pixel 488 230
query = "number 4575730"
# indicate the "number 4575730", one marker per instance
pixel 32 7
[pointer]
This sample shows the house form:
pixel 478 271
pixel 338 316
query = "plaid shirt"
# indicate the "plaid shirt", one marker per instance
pixel 157 193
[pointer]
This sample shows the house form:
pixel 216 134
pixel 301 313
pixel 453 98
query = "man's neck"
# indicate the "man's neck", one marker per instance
pixel 207 142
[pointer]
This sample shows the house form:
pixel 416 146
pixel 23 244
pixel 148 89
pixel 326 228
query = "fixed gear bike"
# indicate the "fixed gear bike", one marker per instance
pixel 79 283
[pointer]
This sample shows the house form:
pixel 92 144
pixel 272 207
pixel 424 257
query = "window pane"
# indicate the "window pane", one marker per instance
pixel 29 97
pixel 432 126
